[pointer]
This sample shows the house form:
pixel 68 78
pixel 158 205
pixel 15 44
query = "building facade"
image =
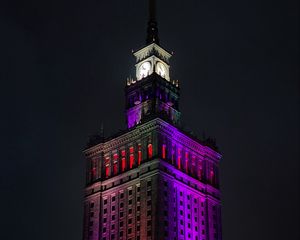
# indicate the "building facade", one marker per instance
pixel 154 180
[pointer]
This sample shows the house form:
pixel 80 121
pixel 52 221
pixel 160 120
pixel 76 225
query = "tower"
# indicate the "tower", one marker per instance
pixel 154 180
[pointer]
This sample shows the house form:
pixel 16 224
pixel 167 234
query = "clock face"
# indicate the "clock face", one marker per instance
pixel 161 69
pixel 144 70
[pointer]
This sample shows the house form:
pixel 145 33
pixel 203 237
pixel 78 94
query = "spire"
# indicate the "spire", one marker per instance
pixel 152 31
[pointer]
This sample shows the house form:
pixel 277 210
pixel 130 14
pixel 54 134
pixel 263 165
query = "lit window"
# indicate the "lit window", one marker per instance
pixel 179 158
pixel 123 161
pixel 150 151
pixel 107 171
pixel 164 151
pixel 131 157
pixel 186 161
pixel 115 166
pixel 173 154
pixel 139 154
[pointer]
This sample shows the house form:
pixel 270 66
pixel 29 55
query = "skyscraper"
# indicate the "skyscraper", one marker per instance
pixel 154 180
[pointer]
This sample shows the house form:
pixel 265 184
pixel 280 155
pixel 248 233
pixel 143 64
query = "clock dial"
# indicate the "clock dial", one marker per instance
pixel 144 69
pixel 161 69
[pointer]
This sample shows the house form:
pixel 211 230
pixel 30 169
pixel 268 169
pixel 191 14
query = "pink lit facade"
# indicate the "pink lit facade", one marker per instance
pixel 153 181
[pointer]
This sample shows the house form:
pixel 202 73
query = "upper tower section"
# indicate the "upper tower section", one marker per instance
pixel 152 92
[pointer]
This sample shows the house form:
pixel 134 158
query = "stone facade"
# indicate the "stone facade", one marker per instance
pixel 167 189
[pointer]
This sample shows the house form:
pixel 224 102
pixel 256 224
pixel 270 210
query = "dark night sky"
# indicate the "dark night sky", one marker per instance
pixel 63 70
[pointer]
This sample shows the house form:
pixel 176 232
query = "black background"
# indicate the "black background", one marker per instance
pixel 63 67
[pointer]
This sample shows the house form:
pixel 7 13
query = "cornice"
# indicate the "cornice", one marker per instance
pixel 148 127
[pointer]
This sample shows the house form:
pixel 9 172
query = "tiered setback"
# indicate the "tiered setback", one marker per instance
pixel 153 182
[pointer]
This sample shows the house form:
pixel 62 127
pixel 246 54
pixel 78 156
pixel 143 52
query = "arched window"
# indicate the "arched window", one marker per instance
pixel 150 151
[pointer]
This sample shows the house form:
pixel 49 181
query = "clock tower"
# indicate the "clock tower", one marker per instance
pixel 152 92
pixel 153 180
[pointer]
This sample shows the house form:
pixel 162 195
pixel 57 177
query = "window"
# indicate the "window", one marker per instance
pixel 131 157
pixel 150 151
pixel 163 150
pixel 107 170
pixel 105 201
pixel 186 161
pixel 121 205
pixel 130 192
pixel 115 164
pixel 139 154
pixel 121 224
pixel 123 161
pixel 149 233
pixel 149 184
pixel 93 169
pixel 113 217
pixel 113 198
pixel 129 220
pixel 173 154
pixel 129 230
pixel 113 208
pixel 179 159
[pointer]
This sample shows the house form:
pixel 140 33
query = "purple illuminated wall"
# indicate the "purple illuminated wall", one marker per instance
pixel 182 200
